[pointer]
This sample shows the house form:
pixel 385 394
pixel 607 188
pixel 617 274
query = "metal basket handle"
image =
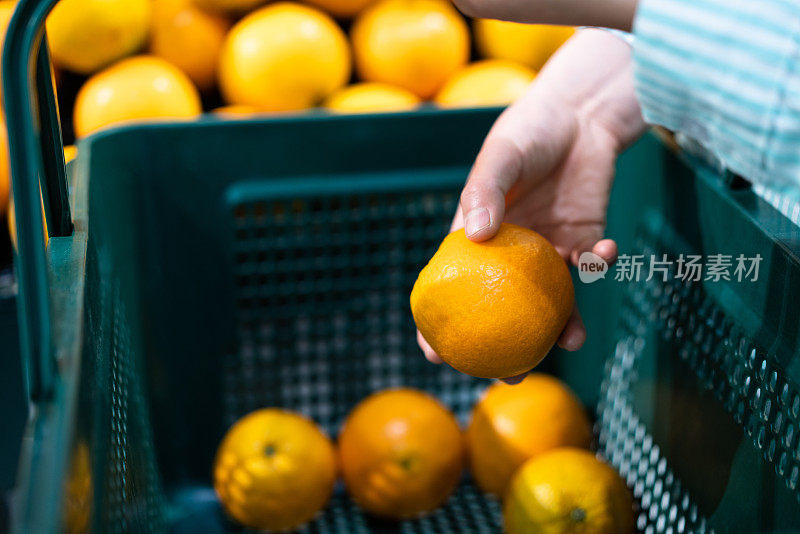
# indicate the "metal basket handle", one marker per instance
pixel 36 157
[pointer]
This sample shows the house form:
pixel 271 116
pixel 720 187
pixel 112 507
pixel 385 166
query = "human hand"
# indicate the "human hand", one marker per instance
pixel 548 162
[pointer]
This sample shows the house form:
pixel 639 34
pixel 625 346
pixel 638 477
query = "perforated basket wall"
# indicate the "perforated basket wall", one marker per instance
pixel 727 372
pixel 323 320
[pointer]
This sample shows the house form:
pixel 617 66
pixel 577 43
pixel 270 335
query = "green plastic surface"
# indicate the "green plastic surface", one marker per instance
pixel 216 284
pixel 218 267
pixel 37 165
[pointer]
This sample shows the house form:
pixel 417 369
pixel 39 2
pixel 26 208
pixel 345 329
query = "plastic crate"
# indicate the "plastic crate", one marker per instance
pixel 13 387
pixel 204 270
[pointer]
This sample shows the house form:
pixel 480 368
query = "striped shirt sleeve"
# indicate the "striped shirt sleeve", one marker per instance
pixel 727 74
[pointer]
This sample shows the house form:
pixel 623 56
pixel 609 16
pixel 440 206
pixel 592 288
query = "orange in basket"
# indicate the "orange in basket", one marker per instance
pixel 567 491
pixel 511 424
pixel 401 453
pixel 274 470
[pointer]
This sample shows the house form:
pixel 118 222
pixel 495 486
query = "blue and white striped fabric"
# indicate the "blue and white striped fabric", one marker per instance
pixel 727 74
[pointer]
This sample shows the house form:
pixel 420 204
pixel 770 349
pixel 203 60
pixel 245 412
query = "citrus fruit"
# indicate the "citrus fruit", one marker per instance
pixel 284 57
pixel 238 111
pixel 416 44
pixel 6 10
pixel 511 424
pixel 493 309
pixel 401 453
pixel 371 97
pixel 189 38
pixel 528 44
pixel 228 6
pixel 5 170
pixel 274 470
pixel 568 491
pixel 491 82
pixel 70 153
pixel 87 35
pixel 343 9
pixel 78 491
pixel 135 89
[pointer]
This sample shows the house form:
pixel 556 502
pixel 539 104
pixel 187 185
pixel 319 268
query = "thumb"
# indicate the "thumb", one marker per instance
pixel 483 200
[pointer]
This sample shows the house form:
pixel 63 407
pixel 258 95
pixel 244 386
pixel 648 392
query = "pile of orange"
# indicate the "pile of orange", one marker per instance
pixel 265 57
pixel 146 60
pixel 401 454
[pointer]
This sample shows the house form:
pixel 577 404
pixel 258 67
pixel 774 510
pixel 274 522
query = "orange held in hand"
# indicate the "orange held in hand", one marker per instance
pixel 493 309
pixel 567 491
pixel 274 470
pixel 401 453
pixel 511 424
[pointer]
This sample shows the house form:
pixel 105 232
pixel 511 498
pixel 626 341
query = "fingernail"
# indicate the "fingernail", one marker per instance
pixel 476 220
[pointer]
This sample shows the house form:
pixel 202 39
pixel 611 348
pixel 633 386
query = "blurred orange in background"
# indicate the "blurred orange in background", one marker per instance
pixel 5 174
pixel 136 89
pixel 284 57
pixel 342 9
pixel 528 44
pixel 87 35
pixel 486 83
pixel 189 38
pixel 6 9
pixel 236 111
pixel 415 44
pixel 371 97
pixel 236 7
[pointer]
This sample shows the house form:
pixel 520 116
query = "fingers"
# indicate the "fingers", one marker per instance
pixel 605 248
pixel 430 354
pixel 514 380
pixel 574 334
pixel 483 200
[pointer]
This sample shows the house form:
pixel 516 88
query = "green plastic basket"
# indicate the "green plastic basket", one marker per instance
pixel 206 269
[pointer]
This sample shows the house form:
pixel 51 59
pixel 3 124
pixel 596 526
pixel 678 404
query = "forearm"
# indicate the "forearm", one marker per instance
pixel 605 13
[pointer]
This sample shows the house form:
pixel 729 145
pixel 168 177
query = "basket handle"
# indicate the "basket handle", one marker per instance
pixel 36 157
